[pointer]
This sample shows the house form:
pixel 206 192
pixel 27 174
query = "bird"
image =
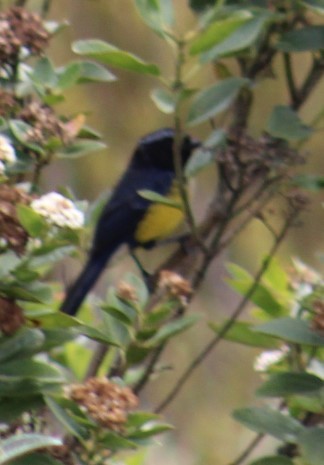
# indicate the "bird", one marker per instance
pixel 129 218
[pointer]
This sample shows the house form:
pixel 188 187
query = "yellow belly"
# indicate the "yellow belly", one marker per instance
pixel 160 220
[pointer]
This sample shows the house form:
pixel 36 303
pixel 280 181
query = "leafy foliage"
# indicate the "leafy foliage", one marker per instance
pixel 43 353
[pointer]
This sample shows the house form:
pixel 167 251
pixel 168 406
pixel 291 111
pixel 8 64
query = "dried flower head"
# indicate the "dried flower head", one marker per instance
pixel 11 230
pixel 175 285
pixel 61 453
pixel 44 121
pixel 106 402
pixel 126 291
pixel 20 29
pixel 8 103
pixel 58 210
pixel 11 316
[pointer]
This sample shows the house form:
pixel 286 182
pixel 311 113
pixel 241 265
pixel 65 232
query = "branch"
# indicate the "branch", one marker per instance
pixel 178 86
pixel 315 74
pixel 249 449
pixel 290 80
pixel 228 324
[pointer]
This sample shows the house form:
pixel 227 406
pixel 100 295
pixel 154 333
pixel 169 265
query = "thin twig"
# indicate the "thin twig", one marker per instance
pixel 313 77
pixel 149 369
pixel 96 361
pixel 290 79
pixel 249 449
pixel 229 323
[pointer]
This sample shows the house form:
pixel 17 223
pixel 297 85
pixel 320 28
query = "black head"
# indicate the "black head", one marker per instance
pixel 156 149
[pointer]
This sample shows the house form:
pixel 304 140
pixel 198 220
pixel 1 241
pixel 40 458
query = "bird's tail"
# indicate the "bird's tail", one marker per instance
pixel 83 284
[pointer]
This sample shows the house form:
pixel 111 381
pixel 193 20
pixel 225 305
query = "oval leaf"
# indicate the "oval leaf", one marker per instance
pixel 171 329
pixel 285 124
pixel 157 14
pixel 111 55
pixel 22 444
pixel 157 198
pixel 164 100
pixel 269 421
pixel 310 38
pixel 311 442
pixel 242 38
pixel 285 384
pixel 292 330
pixel 218 31
pixel 215 99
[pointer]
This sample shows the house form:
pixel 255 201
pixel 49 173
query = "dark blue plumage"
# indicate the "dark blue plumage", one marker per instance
pixel 152 168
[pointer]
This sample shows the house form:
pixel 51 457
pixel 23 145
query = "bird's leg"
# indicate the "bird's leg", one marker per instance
pixel 145 274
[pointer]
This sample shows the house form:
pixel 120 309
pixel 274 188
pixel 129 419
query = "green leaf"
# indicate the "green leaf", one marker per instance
pixel 262 296
pixel 205 155
pixel 34 223
pixel 286 384
pixel 21 131
pixel 311 182
pixel 114 442
pixel 119 309
pixel 62 415
pixel 215 99
pixel 25 292
pixel 81 147
pixel 157 14
pixel 273 460
pixel 44 73
pixel 32 369
pixel 138 419
pixel 242 38
pixel 8 262
pixel 315 5
pixel 36 459
pixel 111 55
pixel 292 330
pixel 285 124
pixel 243 333
pixel 21 344
pixel 164 100
pixel 311 442
pixel 80 72
pixel 309 38
pixel 96 335
pixel 199 6
pixel 57 337
pixel 12 407
pixel 218 31
pixel 269 421
pixel 157 198
pixel 150 429
pixel 23 444
pixel 171 329
pixel 30 292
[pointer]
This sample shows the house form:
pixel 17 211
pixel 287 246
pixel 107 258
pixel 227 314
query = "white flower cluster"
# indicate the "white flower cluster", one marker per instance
pixel 266 359
pixel 7 154
pixel 58 210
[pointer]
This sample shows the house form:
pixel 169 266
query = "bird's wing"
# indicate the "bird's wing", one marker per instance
pixel 126 208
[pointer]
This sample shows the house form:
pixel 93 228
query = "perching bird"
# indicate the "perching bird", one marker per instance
pixel 130 219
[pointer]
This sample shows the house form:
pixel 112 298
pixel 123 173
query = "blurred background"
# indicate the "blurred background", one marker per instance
pixel 122 112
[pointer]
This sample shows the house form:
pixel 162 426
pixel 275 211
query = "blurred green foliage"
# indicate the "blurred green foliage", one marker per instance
pixel 43 352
